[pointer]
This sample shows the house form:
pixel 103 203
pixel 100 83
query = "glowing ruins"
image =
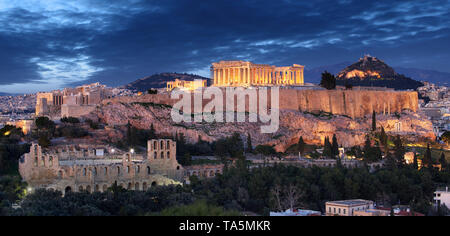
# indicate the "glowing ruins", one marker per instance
pixel 244 73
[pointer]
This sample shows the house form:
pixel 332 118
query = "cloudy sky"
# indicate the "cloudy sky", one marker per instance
pixel 50 44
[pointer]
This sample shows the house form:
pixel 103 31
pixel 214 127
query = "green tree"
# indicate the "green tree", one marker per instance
pixel 399 151
pixel 427 159
pixel 327 148
pixel 328 81
pixel 443 161
pixel 44 141
pixel 249 144
pixel 374 121
pixel 198 208
pixel 335 147
pixel 301 145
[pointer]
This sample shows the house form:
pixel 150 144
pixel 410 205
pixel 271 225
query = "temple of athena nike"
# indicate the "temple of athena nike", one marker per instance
pixel 244 73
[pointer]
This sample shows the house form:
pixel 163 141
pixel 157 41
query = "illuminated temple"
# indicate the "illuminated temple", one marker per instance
pixel 244 73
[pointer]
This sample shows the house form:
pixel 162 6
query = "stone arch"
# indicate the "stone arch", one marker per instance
pixel 96 188
pixel 67 190
pixel 154 183
pixel 88 188
pixel 136 186
pixel 105 188
pixel 80 188
pixel 144 186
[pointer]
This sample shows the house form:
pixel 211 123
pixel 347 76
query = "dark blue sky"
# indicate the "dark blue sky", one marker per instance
pixel 51 44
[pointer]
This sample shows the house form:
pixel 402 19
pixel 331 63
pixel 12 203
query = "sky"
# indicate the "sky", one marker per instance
pixel 52 44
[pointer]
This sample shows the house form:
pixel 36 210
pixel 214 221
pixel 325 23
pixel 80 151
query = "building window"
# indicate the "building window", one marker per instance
pixel 168 155
pixel 168 145
pixel 162 145
pixel 94 171
pixel 162 155
pixel 60 174
pixel 154 155
pixel 148 170
pixel 106 171
pixel 118 170
pixel 43 161
pixel 138 169
pixel 344 211
pixel 35 161
pixel 84 172
pixel 50 161
pixel 155 145
pixel 128 169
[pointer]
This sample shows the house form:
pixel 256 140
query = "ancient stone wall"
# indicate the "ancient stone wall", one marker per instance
pixel 351 103
pixel 93 170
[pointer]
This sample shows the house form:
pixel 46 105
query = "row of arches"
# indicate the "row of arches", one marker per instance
pixel 43 161
pixel 105 171
pixel 136 186
pixel 205 173
pixel 162 155
pixel 162 145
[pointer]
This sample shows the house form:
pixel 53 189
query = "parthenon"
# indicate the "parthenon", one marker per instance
pixel 244 73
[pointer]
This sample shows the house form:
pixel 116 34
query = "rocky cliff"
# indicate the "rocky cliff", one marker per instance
pixel 371 71
pixel 144 111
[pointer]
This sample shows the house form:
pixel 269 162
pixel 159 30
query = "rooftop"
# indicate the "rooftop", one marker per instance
pixel 352 202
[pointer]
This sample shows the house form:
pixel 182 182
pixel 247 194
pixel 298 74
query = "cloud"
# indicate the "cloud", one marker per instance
pixel 62 43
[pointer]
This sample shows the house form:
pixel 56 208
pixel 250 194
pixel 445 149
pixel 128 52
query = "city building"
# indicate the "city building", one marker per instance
pixel 296 212
pixel 347 207
pixel 186 85
pixel 71 102
pixel 244 73
pixel 96 168
pixel 442 197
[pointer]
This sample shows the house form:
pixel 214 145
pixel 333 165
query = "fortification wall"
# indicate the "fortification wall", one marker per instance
pixel 351 103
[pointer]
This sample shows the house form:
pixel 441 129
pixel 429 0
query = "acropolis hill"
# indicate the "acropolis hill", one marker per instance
pixel 299 116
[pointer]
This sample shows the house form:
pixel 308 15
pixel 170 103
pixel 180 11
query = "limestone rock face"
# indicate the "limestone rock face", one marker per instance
pixel 143 112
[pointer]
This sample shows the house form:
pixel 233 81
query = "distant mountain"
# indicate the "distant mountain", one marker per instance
pixel 442 78
pixel 160 80
pixel 7 94
pixel 436 77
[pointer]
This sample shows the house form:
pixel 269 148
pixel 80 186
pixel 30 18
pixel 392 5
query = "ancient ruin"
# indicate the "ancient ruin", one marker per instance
pixel 244 73
pixel 96 168
pixel 71 102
